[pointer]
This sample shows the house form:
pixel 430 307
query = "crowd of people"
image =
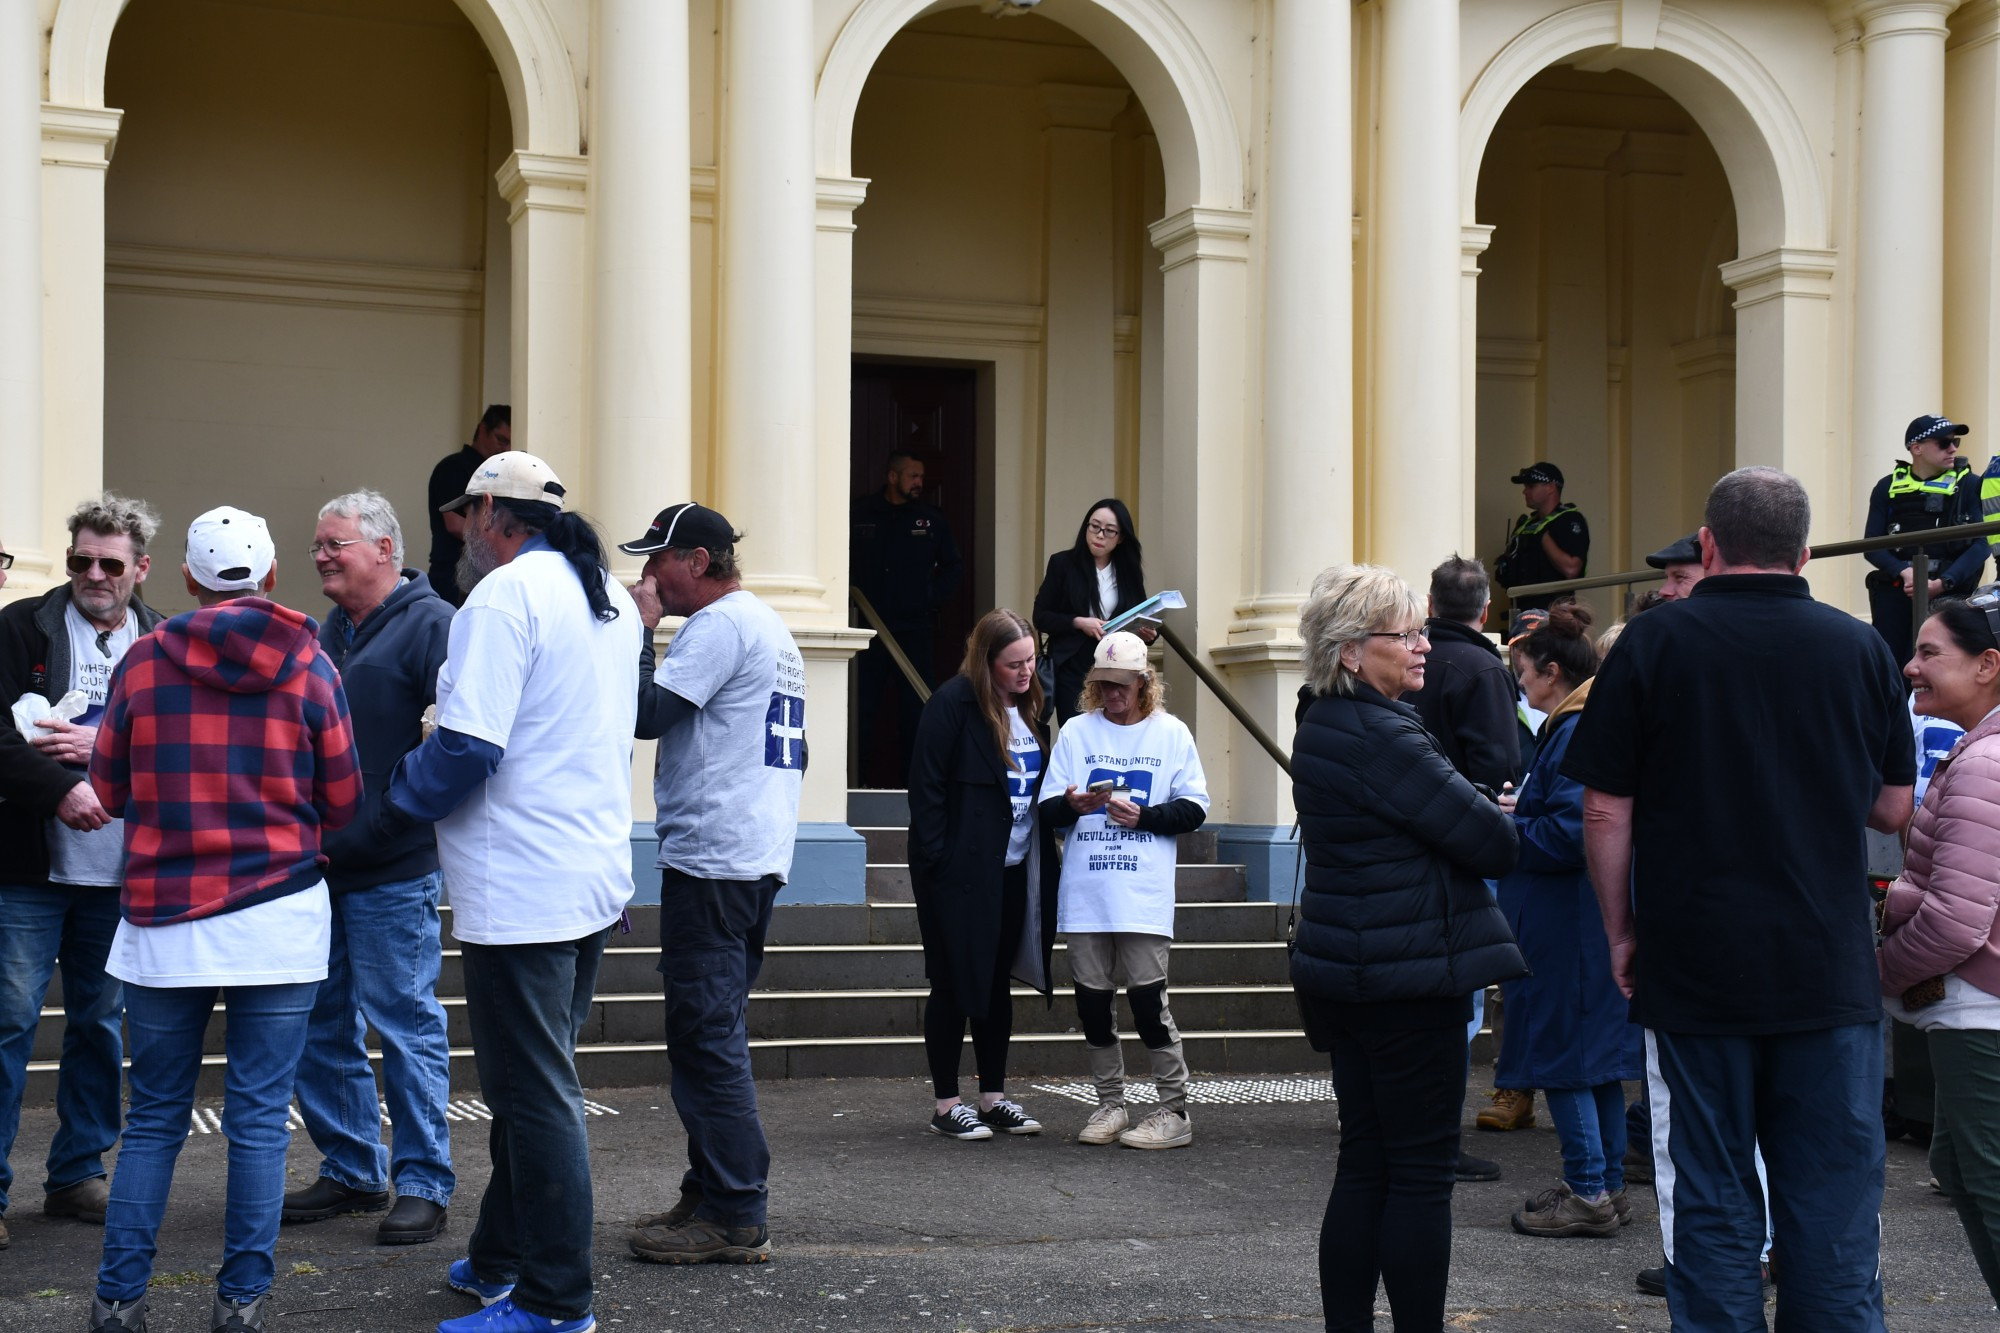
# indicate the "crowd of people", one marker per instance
pixel 241 803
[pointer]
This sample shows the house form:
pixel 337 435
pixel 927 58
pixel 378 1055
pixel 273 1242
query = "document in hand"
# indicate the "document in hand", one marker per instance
pixel 1147 610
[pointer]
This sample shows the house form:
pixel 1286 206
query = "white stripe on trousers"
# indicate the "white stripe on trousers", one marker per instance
pixel 1664 1174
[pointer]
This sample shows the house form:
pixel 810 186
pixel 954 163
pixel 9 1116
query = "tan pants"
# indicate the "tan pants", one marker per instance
pixel 1098 962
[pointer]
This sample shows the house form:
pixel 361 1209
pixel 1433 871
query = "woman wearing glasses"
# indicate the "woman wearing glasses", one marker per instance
pixel 1396 931
pixel 1085 586
pixel 1940 957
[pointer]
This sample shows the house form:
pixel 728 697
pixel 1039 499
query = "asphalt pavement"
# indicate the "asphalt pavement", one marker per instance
pixel 876 1224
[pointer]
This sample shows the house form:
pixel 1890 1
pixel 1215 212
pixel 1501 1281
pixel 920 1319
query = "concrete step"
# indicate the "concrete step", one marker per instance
pixel 891 846
pixel 879 967
pixel 872 808
pixel 1194 922
pixel 1192 884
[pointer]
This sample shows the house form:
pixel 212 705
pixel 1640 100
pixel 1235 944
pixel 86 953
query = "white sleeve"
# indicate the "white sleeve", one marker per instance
pixel 705 653
pixel 1189 783
pixel 485 672
pixel 1066 764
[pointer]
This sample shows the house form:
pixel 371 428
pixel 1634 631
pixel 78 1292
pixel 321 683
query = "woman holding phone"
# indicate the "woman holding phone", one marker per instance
pixel 1090 583
pixel 983 866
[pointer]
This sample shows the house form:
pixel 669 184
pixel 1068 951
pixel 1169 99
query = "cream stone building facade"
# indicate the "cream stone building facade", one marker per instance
pixel 1304 281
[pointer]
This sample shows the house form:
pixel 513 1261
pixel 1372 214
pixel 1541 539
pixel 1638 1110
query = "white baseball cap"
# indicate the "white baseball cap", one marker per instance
pixel 1120 658
pixel 511 476
pixel 229 550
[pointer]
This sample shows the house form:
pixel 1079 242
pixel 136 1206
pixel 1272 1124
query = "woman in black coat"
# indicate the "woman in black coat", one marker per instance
pixel 1396 931
pixel 984 867
pixel 1071 606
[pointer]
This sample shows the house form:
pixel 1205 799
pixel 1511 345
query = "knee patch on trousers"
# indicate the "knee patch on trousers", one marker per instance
pixel 1093 1008
pixel 1148 1004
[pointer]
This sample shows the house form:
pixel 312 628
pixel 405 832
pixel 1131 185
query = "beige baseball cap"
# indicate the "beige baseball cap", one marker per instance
pixel 511 476
pixel 1120 658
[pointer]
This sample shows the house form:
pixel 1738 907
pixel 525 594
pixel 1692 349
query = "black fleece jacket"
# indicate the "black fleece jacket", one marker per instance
pixel 1468 704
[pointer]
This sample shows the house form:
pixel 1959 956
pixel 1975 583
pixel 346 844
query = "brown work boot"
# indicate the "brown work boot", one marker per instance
pixel 85 1201
pixel 1559 1212
pixel 1621 1206
pixel 700 1241
pixel 1513 1108
pixel 677 1216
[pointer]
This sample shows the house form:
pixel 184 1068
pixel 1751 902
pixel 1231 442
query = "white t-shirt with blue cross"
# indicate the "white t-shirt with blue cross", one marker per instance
pixel 1021 775
pixel 727 781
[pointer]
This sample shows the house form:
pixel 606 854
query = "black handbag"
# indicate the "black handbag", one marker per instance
pixel 1319 1034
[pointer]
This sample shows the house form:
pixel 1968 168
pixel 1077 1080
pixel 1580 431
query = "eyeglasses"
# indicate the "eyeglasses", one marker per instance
pixel 6 560
pixel 318 549
pixel 1409 638
pixel 80 564
pixel 1102 530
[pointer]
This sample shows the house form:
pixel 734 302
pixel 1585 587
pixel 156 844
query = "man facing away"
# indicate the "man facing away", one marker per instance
pixel 1733 749
pixel 493 435
pixel 528 780
pixel 62 855
pixel 728 705
pixel 388 635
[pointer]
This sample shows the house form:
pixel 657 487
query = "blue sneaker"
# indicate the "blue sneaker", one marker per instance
pixel 460 1278
pixel 502 1317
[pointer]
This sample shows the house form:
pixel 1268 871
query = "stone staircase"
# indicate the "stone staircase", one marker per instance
pixel 842 990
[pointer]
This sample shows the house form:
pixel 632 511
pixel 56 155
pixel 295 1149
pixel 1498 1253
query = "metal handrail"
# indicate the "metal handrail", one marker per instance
pixel 896 652
pixel 1229 700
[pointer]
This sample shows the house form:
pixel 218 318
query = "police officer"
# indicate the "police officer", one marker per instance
pixel 1935 488
pixel 1549 542
pixel 902 556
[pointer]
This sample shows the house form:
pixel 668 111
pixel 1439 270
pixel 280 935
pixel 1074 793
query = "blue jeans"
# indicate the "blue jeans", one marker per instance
pixel 527 1004
pixel 38 928
pixel 714 947
pixel 383 969
pixel 265 1032
pixel 1813 1101
pixel 1590 1122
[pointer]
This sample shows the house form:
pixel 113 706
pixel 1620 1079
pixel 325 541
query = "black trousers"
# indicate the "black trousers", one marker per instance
pixel 1389 1216
pixel 945 1022
pixel 1890 610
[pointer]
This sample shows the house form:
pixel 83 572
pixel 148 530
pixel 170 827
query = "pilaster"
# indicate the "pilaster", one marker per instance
pixel 545 196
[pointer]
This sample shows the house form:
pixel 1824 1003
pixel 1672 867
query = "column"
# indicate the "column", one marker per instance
pixel 1972 220
pixel 1417 506
pixel 1473 240
pixel 1308 483
pixel 1899 265
pixel 767 465
pixel 549 288
pixel 641 318
pixel 20 314
pixel 1079 408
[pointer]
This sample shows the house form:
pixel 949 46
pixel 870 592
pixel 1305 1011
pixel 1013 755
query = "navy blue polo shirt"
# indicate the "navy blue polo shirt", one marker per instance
pixel 1754 729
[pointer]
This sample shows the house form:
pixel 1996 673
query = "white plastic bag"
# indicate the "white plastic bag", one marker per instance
pixel 31 708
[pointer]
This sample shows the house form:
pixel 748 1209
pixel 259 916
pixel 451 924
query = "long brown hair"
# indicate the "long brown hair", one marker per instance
pixel 997 631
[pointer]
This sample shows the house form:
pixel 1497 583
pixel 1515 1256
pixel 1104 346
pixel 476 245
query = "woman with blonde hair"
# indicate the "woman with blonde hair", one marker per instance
pixel 983 865
pixel 1396 931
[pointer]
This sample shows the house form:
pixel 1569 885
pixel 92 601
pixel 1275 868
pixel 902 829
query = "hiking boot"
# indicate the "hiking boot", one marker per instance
pixel 1162 1128
pixel 227 1316
pixel 118 1316
pixel 461 1278
pixel 1621 1206
pixel 678 1215
pixel 1638 1167
pixel 503 1317
pixel 1007 1117
pixel 701 1241
pixel 1559 1212
pixel 960 1122
pixel 1513 1108
pixel 85 1201
pixel 1474 1169
pixel 1652 1282
pixel 327 1197
pixel 1106 1123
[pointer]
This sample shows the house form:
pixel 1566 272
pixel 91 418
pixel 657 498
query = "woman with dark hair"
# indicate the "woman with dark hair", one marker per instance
pixel 984 867
pixel 1396 930
pixel 1567 1031
pixel 1085 586
pixel 1940 958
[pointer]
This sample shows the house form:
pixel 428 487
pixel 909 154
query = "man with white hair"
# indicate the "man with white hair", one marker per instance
pixel 387 633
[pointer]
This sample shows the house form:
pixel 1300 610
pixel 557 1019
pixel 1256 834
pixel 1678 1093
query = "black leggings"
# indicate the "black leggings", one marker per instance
pixel 944 1021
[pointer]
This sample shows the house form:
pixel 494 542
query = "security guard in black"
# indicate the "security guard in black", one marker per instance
pixel 1933 488
pixel 900 550
pixel 1549 522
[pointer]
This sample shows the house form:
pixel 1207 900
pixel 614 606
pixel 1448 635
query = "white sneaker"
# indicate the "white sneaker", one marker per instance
pixel 1161 1129
pixel 1106 1123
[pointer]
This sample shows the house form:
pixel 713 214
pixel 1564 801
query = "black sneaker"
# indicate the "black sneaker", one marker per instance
pixel 1008 1118
pixel 1652 1282
pixel 1472 1168
pixel 227 1316
pixel 960 1122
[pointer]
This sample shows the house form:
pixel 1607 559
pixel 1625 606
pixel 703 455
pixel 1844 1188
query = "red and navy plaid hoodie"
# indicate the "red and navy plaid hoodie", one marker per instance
pixel 226 747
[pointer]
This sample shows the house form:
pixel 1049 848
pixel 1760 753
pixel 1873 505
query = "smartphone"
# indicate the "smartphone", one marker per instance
pixel 1102 785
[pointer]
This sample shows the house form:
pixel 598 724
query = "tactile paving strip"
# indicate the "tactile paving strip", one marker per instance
pixel 208 1119
pixel 1208 1091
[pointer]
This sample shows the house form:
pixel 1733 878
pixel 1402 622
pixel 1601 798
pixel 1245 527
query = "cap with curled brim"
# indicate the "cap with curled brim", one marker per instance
pixel 684 527
pixel 511 476
pixel 1120 658
pixel 1686 551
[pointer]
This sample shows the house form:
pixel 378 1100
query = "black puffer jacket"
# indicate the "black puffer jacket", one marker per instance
pixel 1396 846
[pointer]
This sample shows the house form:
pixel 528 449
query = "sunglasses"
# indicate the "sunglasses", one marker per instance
pixel 6 560
pixel 80 564
pixel 1987 600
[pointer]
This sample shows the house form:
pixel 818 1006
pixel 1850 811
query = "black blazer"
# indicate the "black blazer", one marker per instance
pixel 960 819
pixel 1069 590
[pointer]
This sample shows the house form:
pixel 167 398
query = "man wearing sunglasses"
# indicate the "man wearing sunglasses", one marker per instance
pixel 61 855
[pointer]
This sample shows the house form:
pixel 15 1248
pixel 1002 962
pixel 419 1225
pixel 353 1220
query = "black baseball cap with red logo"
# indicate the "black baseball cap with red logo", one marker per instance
pixel 684 527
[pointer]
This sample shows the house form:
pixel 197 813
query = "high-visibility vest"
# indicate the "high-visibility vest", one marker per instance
pixel 1989 497
pixel 1919 504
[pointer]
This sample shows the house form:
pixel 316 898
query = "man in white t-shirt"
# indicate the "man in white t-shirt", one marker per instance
pixel 1131 783
pixel 728 705
pixel 528 781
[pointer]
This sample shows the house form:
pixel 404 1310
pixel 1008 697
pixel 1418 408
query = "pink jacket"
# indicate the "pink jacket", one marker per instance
pixel 1939 916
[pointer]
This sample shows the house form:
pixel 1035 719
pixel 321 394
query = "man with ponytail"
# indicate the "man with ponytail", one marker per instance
pixel 542 673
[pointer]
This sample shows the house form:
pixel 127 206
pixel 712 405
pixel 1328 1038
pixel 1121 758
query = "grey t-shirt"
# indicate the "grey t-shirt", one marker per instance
pixel 728 779
pixel 95 859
